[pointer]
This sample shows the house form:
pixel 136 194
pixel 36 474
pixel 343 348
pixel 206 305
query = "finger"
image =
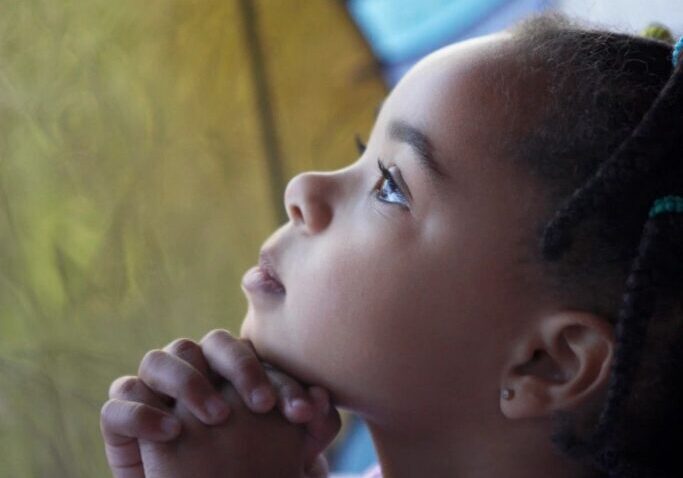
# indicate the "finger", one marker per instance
pixel 122 423
pixel 189 351
pixel 121 420
pixel 170 375
pixel 321 399
pixel 122 450
pixel 192 353
pixel 293 402
pixel 323 427
pixel 133 389
pixel 236 360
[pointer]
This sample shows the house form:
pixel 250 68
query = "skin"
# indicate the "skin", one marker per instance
pixel 415 315
pixel 194 388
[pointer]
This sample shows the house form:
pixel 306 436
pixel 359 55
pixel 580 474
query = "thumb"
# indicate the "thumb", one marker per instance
pixel 322 428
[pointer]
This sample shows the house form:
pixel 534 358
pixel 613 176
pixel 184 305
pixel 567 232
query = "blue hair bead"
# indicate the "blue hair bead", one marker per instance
pixel 677 51
pixel 671 204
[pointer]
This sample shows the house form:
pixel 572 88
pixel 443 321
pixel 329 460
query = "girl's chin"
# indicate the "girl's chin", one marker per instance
pixel 275 353
pixel 258 317
pixel 261 328
pixel 252 330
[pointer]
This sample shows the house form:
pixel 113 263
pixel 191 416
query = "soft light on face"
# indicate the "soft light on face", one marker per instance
pixel 404 281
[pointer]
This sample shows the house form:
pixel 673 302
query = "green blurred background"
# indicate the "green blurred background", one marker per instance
pixel 144 151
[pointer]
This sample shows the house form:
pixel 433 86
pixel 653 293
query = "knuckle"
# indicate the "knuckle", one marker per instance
pixel 285 385
pixel 106 411
pixel 249 368
pixel 189 384
pixel 182 345
pixel 288 391
pixel 105 417
pixel 137 413
pixel 151 359
pixel 123 386
pixel 217 335
pixel 115 414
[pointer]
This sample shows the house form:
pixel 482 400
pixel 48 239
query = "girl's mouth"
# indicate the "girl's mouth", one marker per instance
pixel 263 277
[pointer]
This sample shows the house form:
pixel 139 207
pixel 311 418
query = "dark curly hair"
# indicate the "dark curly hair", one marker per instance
pixel 606 142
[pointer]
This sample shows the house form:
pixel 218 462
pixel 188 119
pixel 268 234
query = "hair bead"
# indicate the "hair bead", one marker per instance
pixel 670 204
pixel 657 31
pixel 677 51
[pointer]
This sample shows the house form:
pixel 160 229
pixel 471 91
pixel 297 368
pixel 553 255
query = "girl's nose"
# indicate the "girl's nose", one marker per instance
pixel 307 201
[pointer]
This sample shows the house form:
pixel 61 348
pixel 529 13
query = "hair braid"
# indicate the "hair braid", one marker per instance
pixel 641 158
pixel 654 271
pixel 630 330
pixel 607 142
pixel 644 156
pixel 646 153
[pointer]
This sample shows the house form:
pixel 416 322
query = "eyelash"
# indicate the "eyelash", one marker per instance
pixel 385 176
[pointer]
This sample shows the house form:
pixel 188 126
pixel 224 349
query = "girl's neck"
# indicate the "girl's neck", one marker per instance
pixel 504 452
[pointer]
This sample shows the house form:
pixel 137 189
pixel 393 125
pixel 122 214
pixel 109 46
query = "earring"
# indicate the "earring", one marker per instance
pixel 507 394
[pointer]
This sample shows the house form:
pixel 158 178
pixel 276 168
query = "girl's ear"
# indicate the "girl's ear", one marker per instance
pixel 562 362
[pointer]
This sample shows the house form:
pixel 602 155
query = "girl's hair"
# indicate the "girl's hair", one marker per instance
pixel 606 142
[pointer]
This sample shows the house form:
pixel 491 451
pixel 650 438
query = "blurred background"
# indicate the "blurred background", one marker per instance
pixel 144 151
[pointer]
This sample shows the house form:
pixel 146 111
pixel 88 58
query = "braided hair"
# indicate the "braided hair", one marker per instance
pixel 606 144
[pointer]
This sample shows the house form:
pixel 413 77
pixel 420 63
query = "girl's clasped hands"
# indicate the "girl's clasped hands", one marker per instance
pixel 213 409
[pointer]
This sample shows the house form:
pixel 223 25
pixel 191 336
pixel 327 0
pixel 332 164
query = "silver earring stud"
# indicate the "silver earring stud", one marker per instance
pixel 507 394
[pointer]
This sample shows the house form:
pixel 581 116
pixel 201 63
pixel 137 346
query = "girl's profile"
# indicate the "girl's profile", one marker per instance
pixel 493 285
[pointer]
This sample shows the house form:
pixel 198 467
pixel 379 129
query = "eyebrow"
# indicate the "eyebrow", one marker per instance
pixel 402 131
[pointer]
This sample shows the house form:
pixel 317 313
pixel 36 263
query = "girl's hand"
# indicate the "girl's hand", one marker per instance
pixel 248 445
pixel 141 407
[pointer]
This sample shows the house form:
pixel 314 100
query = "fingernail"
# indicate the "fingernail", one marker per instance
pixel 216 408
pixel 299 405
pixel 170 426
pixel 261 397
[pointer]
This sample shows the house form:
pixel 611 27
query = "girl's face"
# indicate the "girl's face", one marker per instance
pixel 402 291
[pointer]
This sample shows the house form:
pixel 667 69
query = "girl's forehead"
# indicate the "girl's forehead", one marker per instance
pixel 451 96
pixel 461 72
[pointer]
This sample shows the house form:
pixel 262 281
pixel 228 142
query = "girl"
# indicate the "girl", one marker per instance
pixel 494 285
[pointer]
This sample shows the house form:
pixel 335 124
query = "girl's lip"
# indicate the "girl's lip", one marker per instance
pixel 266 264
pixel 257 280
pixel 263 278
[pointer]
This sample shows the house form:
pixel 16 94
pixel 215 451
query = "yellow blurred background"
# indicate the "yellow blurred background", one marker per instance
pixel 144 150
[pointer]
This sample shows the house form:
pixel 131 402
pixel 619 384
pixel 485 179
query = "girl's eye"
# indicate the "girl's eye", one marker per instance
pixel 388 191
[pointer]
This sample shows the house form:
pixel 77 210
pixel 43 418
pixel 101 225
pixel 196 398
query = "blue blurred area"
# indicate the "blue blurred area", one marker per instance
pixel 400 32
pixel 355 453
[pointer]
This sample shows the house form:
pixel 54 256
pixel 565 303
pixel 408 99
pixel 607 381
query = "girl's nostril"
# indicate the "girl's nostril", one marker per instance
pixel 296 214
